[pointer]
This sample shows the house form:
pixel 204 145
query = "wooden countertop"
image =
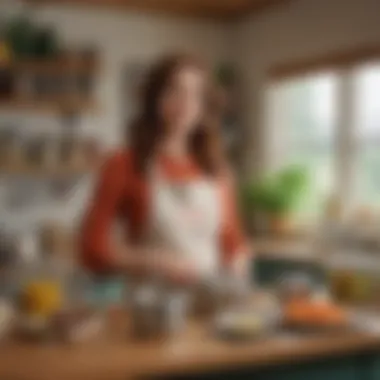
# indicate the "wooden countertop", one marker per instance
pixel 117 357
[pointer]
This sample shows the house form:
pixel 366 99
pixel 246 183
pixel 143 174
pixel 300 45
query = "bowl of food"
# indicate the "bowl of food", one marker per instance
pixel 246 324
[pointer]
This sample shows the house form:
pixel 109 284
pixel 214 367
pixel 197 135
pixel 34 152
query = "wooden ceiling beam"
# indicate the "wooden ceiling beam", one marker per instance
pixel 215 9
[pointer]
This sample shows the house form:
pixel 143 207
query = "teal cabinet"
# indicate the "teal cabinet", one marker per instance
pixel 354 367
pixel 330 369
pixel 267 271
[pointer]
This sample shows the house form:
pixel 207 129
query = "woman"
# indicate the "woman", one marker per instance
pixel 170 189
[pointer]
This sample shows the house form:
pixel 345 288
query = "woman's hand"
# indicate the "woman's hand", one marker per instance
pixel 148 261
pixel 239 266
pixel 177 270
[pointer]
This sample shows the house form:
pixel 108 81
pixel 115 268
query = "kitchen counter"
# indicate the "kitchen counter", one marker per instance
pixel 291 249
pixel 117 357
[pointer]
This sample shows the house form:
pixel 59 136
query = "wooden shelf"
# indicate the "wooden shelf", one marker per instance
pixel 49 106
pixel 46 173
pixel 210 9
pixel 69 68
pixel 59 66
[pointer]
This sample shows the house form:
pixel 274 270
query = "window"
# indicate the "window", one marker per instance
pixel 329 123
pixel 306 114
pixel 367 134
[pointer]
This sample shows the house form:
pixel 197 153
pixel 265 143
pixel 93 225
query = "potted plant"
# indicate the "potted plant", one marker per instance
pixel 274 198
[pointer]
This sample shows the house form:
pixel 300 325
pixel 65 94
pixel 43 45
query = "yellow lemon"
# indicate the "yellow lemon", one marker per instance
pixel 42 297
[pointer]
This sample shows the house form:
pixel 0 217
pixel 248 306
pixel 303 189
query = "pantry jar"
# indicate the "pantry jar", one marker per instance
pixel 158 310
pixel 43 281
pixel 11 150
pixel 72 153
pixel 353 277
pixel 41 287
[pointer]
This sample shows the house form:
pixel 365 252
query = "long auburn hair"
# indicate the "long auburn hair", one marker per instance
pixel 147 130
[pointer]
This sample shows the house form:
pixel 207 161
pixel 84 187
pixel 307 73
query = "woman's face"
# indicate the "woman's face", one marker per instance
pixel 182 102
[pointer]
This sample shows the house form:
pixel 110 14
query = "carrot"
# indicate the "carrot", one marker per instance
pixel 314 313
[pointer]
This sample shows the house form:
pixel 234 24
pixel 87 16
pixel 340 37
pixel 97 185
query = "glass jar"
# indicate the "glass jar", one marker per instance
pixel 157 310
pixel 352 277
pixel 42 287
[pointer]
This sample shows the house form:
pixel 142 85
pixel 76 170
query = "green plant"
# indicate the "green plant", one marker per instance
pixel 28 40
pixel 19 36
pixel 278 193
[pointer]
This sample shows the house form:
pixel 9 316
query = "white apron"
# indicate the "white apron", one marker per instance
pixel 185 219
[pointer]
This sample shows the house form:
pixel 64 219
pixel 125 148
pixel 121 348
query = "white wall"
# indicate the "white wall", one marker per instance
pixel 129 38
pixel 122 39
pixel 303 29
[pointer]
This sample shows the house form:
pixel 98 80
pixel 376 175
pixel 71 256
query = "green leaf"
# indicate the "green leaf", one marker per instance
pixel 278 193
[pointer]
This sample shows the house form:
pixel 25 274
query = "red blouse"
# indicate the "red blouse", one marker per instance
pixel 123 195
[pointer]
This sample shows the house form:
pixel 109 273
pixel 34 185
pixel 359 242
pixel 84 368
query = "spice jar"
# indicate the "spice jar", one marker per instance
pixel 11 150
pixel 92 152
pixel 50 237
pixel 72 153
pixel 50 157
pixel 35 154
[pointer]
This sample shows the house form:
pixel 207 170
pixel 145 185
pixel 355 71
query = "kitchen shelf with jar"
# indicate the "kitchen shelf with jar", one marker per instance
pixel 52 85
pixel 51 106
pixel 46 155
pixel 55 172
pixel 343 255
pixel 66 64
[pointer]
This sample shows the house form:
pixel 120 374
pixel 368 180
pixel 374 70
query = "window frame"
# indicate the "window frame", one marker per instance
pixel 346 146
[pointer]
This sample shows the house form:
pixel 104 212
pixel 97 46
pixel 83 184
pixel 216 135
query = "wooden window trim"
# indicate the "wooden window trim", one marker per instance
pixel 337 60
